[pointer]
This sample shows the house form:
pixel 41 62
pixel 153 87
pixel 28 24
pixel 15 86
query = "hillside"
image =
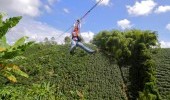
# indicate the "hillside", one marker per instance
pixel 55 74
pixel 162 60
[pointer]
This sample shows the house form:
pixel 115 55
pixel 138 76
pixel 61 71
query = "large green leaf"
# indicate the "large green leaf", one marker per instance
pixel 9 76
pixel 17 70
pixel 15 51
pixel 0 20
pixel 20 42
pixel 9 23
pixel 3 43
pixel 8 54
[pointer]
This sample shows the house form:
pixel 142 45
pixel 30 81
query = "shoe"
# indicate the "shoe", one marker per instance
pixel 93 52
pixel 72 53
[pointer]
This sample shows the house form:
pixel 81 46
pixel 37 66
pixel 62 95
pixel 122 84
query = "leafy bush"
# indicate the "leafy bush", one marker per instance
pixel 8 53
pixel 71 77
pixel 162 59
pixel 43 91
pixel 133 48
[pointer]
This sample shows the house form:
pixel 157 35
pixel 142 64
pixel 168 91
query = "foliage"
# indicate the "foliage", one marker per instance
pixel 8 53
pixel 56 75
pixel 72 77
pixel 67 40
pixel 7 24
pixel 43 91
pixel 132 47
pixel 49 41
pixel 162 59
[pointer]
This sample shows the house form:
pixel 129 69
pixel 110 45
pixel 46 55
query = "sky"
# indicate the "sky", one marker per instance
pixel 51 18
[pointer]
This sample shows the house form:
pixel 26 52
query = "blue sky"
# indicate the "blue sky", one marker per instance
pixel 49 18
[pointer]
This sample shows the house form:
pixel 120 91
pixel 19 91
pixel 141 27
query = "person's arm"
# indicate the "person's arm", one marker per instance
pixel 73 28
pixel 79 27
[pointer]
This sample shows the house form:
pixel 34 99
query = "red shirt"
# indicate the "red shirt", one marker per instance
pixel 76 31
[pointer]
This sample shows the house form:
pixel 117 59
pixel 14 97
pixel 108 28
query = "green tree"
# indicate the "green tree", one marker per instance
pixel 133 47
pixel 53 40
pixel 9 53
pixel 67 40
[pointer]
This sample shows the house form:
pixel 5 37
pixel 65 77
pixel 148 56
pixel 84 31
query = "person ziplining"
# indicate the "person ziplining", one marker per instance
pixel 76 40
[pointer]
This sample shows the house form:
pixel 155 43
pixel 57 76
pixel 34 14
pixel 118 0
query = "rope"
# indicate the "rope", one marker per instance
pixel 90 10
pixel 65 31
pixel 81 17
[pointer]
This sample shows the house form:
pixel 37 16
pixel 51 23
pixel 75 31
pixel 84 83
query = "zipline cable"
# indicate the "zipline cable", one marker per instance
pixel 90 10
pixel 65 31
pixel 82 17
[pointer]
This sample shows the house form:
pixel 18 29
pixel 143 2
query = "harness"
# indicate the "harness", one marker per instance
pixel 75 32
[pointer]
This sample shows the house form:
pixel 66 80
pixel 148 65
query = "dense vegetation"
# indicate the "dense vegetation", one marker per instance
pixel 55 74
pixel 133 48
pixel 9 53
pixel 162 59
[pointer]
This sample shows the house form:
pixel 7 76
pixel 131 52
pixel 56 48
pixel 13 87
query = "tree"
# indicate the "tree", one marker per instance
pixel 133 47
pixel 53 40
pixel 67 40
pixel 9 53
pixel 46 40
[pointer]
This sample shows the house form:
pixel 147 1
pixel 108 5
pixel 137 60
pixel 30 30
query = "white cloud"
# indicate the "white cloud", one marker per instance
pixel 104 2
pixel 47 8
pixel 49 5
pixel 66 10
pixel 168 26
pixel 87 36
pixel 28 26
pixel 124 24
pixel 144 7
pixel 165 44
pixel 21 7
pixel 35 30
pixel 38 31
pixel 51 2
pixel 162 9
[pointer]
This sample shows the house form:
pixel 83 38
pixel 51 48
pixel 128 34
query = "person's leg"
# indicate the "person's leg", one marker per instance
pixel 85 48
pixel 73 46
